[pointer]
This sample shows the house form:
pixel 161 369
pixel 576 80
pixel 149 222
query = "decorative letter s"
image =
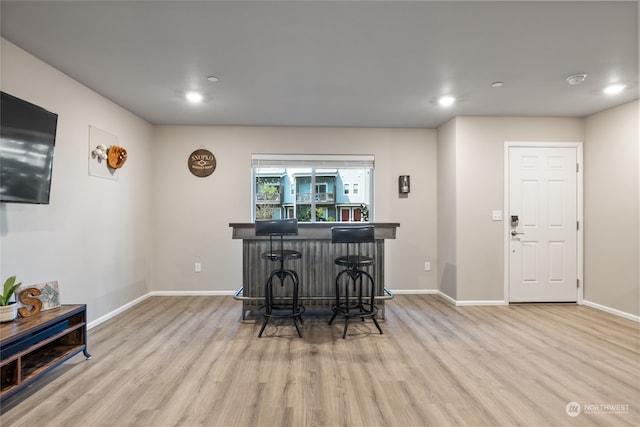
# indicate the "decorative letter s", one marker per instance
pixel 27 297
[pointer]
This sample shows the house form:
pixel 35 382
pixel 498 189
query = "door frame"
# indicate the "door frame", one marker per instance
pixel 579 202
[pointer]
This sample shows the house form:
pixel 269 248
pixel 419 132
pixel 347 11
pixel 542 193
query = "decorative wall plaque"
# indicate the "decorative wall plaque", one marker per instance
pixel 48 294
pixel 99 143
pixel 202 163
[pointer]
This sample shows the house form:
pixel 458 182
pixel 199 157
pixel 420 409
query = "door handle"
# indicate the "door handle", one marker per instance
pixel 514 233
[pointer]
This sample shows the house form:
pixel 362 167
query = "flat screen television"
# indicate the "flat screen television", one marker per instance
pixel 27 141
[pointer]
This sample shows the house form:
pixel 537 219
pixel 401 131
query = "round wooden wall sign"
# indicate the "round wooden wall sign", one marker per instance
pixel 202 163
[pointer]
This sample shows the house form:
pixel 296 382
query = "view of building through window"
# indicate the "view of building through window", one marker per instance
pixel 311 193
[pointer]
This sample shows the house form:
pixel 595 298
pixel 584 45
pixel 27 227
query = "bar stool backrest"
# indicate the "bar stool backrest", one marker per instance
pixel 353 235
pixel 277 228
pixel 359 234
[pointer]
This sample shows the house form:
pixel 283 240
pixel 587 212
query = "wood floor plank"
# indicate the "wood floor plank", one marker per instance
pixel 190 361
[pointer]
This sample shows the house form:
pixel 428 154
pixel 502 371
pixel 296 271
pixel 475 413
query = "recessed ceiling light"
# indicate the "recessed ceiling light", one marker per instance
pixel 446 101
pixel 212 79
pixel 497 84
pixel 614 89
pixel 194 97
pixel 576 79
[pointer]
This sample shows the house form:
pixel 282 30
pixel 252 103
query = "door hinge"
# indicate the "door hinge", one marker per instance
pixel 577 283
pixel 577 167
pixel 577 225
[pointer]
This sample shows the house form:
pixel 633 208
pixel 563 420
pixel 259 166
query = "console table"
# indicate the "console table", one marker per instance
pixel 33 346
pixel 316 269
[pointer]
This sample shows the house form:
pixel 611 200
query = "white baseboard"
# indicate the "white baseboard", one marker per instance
pixel 117 311
pixel 138 300
pixel 447 298
pixel 480 302
pixel 469 303
pixel 189 293
pixel 441 294
pixel 612 310
pixel 414 291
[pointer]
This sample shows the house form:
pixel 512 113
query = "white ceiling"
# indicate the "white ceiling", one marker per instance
pixel 324 63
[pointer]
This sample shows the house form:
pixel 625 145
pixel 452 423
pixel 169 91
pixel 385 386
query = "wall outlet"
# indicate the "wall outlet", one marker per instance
pixel 427 266
pixel 198 267
pixel 496 215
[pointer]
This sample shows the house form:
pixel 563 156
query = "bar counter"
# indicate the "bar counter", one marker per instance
pixel 316 269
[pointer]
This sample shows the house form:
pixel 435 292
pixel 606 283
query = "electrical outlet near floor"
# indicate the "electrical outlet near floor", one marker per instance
pixel 198 267
pixel 427 266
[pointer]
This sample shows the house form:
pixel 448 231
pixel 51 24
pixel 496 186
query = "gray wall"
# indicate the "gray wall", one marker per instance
pixel 612 232
pixel 447 212
pixel 94 237
pixel 480 189
pixel 471 174
pixel 191 215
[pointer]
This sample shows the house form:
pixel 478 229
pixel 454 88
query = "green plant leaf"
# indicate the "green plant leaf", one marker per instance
pixel 10 287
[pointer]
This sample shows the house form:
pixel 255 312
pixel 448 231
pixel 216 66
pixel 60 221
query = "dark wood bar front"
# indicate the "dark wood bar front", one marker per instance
pixel 316 269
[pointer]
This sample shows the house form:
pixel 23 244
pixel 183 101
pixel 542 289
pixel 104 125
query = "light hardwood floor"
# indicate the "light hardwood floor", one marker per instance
pixel 190 361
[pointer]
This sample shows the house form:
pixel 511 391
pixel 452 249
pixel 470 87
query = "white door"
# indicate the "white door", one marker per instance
pixel 543 217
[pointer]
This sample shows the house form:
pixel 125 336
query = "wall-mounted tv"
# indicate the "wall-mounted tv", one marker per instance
pixel 27 140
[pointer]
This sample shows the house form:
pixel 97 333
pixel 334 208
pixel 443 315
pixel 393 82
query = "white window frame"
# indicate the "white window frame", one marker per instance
pixel 316 161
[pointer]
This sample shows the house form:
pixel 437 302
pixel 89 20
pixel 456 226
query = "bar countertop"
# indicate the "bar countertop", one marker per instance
pixel 317 230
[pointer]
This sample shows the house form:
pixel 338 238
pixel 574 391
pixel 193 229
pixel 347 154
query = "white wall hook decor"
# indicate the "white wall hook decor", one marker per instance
pixel 100 146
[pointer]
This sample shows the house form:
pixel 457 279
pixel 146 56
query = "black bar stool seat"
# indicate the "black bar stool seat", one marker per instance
pixel 354 260
pixel 281 254
pixel 362 307
pixel 285 276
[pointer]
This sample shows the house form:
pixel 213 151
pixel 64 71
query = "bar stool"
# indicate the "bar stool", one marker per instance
pixel 363 307
pixel 274 229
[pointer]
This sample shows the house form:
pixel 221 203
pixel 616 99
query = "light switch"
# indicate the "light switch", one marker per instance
pixel 496 215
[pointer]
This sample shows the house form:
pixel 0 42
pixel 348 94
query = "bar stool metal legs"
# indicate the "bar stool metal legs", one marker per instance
pixel 360 306
pixel 280 307
pixel 272 309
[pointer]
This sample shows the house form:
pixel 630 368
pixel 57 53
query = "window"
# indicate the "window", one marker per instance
pixel 321 187
pixel 321 192
pixel 352 188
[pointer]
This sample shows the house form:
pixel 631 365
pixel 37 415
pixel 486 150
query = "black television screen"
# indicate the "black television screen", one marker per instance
pixel 27 140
